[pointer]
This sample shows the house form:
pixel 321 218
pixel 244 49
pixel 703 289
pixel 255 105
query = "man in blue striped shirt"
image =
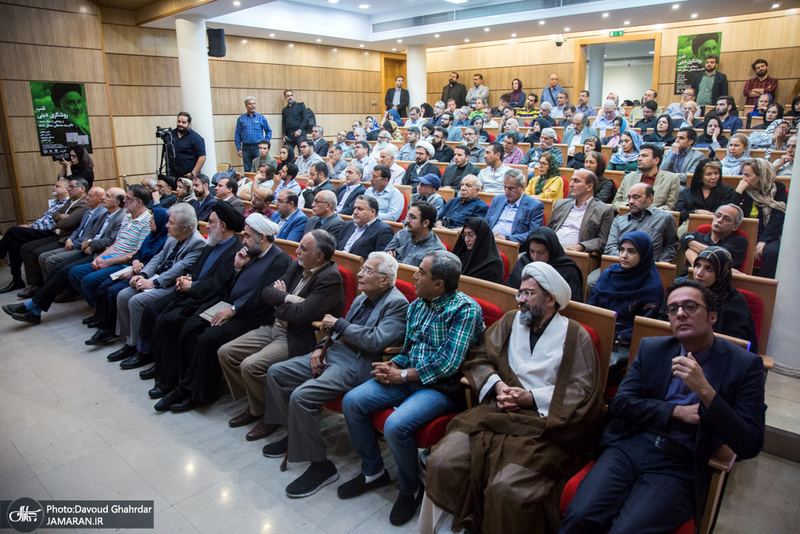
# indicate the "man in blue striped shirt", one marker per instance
pixel 251 127
pixel 422 382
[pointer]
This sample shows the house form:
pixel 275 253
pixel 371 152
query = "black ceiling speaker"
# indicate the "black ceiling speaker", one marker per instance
pixel 216 42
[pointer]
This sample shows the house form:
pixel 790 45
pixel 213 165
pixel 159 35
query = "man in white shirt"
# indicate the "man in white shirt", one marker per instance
pixel 390 199
pixel 494 174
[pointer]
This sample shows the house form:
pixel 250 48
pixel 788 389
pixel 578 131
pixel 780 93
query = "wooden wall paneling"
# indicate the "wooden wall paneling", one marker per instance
pixel 229 101
pixel 47 27
pixel 10 167
pixel 23 132
pixel 137 160
pixel 4 181
pixel 31 62
pixel 140 130
pixel 135 40
pixel 110 15
pixel 497 54
pixel 36 170
pixel 271 51
pixel 277 78
pixel 110 124
pixel 137 101
pixel 69 6
pixel 126 69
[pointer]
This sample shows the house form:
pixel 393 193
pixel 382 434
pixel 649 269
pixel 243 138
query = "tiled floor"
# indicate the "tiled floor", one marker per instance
pixel 73 426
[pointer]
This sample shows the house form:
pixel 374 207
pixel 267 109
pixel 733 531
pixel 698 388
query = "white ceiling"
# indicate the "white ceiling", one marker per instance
pixel 345 24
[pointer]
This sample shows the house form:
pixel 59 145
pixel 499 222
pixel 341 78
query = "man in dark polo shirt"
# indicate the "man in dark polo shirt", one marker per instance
pixel 190 148
pixel 726 221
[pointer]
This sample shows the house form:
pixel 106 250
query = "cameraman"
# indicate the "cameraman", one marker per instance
pixel 188 152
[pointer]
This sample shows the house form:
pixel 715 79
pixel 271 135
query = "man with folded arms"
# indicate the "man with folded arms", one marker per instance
pixel 311 288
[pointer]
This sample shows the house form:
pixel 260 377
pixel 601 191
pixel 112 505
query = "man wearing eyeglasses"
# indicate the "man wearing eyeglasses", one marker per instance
pixel 726 221
pixel 538 381
pixel 682 398
pixel 324 217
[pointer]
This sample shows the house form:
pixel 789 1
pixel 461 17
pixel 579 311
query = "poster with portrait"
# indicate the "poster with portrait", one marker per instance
pixel 691 59
pixel 62 119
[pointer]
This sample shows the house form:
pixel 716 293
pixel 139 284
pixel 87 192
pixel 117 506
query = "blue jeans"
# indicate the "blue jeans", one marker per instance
pixel 416 406
pixel 86 280
pixel 249 153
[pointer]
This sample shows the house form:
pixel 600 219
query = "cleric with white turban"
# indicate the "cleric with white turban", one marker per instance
pixel 550 280
pixel 261 225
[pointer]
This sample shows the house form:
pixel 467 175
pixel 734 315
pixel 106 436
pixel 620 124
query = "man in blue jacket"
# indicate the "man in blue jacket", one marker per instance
pixel 512 216
pixel 291 220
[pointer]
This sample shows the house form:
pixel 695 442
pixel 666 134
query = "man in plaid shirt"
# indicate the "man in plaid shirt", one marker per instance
pixel 422 382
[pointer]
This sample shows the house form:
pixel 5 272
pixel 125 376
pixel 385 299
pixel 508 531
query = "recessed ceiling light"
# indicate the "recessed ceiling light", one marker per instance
pixel 605 15
pixel 244 41
pixel 658 26
pixel 486 29
pixel 319 40
pixel 291 45
pixel 399 40
pixel 566 29
pixel 335 50
pixel 456 1
pixel 361 45
pixel 513 35
pixel 627 22
pixel 675 6
pixel 237 4
pixel 436 35
pixel 652 52
pixel 541 22
pixel 333 1
pixel 272 35
pixel 466 40
pixel 364 6
pixel 394 50
pixel 775 6
pixel 694 15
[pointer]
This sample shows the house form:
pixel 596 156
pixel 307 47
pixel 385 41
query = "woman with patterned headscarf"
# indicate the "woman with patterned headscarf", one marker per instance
pixel 626 157
pixel 549 183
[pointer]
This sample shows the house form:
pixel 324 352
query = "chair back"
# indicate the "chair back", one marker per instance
pixel 505 266
pixel 491 312
pixel 756 306
pixel 407 289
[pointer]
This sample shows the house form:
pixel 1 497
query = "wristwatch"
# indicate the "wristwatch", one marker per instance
pixel 404 375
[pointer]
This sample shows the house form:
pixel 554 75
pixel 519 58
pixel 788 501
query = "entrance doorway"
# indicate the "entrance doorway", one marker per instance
pixel 392 66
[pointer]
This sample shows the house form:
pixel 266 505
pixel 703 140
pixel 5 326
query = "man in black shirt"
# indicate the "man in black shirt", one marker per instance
pixel 294 121
pixel 190 148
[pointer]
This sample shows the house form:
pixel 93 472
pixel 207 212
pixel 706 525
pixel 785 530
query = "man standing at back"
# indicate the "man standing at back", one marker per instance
pixel 294 121
pixel 456 91
pixel 251 129
pixel 478 91
pixel 550 93
pixel 682 398
pixel 760 84
pixel 710 84
pixel 397 97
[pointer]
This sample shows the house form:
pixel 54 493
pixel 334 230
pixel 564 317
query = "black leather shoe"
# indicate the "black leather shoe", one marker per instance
pixel 27 317
pixel 156 393
pixel 148 374
pixel 90 319
pixel 173 397
pixel 93 324
pixel 30 292
pixel 358 485
pixel 125 352
pixel 136 361
pixel 11 309
pixel 405 507
pixel 101 337
pixel 183 406
pixel 13 286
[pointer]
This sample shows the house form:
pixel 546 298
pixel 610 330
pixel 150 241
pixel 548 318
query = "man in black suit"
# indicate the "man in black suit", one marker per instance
pixel 422 166
pixel 311 288
pixel 350 190
pixel 321 146
pixel 318 181
pixel 683 397
pixel 195 368
pixel 365 233
pixel 397 97
pixel 456 91
pixel 324 217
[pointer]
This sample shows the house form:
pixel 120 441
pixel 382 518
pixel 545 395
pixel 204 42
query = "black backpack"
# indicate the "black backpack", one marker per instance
pixel 311 119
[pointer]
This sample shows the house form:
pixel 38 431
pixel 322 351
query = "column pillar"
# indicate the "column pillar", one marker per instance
pixel 417 75
pixel 596 71
pixel 190 31
pixel 784 337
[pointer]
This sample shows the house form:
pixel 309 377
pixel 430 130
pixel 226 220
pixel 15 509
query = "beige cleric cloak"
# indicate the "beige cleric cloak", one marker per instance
pixel 499 472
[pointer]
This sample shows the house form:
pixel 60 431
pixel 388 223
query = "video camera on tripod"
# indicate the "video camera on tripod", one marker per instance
pixel 163 133
pixel 167 151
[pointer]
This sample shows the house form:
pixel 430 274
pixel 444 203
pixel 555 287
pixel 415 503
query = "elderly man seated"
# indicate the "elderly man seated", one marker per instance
pixel 456 212
pixel 501 465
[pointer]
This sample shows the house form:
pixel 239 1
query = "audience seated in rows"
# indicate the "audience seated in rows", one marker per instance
pixel 350 189
pixel 706 192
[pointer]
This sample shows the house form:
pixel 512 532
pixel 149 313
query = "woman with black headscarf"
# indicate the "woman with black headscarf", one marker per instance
pixel 542 245
pixel 79 165
pixel 477 250
pixel 663 133
pixel 706 193
pixel 535 133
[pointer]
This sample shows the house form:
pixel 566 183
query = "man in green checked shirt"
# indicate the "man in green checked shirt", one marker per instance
pixel 442 325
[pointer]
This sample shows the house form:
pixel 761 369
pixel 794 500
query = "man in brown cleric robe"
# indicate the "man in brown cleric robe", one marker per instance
pixel 502 464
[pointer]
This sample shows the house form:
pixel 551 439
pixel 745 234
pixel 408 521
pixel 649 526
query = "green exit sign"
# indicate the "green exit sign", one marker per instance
pixel 618 33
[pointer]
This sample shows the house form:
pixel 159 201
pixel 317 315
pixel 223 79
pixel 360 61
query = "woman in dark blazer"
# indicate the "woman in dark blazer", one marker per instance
pixel 706 193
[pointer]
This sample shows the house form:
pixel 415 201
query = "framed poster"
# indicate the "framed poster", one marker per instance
pixel 691 58
pixel 62 119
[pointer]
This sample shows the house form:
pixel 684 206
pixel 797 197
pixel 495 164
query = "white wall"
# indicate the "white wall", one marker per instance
pixel 629 83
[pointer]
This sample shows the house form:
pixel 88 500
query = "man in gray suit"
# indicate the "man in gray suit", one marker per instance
pixel 296 389
pixel 324 218
pixel 580 221
pixel 155 280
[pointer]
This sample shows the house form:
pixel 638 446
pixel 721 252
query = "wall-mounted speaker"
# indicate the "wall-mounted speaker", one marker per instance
pixel 216 42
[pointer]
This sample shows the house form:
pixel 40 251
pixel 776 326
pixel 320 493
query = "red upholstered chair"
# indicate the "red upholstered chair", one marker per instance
pixel 706 228
pixel 505 266
pixel 566 187
pixel 405 208
pixel 349 285
pixel 407 289
pixel 491 137
pixel 491 312
pixel 756 306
